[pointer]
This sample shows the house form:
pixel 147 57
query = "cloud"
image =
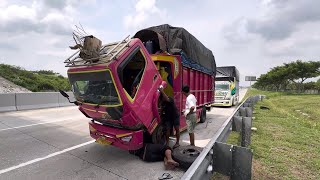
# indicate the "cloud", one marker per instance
pixel 282 17
pixel 36 17
pixel 237 32
pixel 37 34
pixel 8 46
pixel 146 12
pixel 279 30
pixel 57 4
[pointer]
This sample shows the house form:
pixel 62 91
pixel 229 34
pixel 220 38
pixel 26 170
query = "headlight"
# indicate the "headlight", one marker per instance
pixel 126 139
pixel 227 98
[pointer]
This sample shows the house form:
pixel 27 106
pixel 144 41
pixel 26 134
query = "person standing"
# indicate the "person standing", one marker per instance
pixel 190 112
pixel 171 116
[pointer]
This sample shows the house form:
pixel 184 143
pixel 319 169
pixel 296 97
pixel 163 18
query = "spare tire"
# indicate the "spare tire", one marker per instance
pixel 186 155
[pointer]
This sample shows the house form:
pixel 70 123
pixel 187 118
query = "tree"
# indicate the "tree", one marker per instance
pixel 299 71
pixel 291 75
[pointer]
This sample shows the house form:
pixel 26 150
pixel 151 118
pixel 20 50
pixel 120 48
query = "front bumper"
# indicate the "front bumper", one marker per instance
pixel 115 136
pixel 221 102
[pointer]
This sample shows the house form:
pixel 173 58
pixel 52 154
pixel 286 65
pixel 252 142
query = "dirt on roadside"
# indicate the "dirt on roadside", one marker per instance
pixel 9 87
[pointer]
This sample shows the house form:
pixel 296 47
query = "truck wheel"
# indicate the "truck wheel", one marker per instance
pixel 186 155
pixel 203 115
pixel 158 135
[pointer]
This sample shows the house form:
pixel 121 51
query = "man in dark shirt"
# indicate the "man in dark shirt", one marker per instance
pixel 170 116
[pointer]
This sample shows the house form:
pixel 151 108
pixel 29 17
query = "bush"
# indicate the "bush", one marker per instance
pixel 43 80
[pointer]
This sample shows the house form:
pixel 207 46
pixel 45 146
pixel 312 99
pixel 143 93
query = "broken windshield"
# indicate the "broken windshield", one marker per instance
pixel 94 87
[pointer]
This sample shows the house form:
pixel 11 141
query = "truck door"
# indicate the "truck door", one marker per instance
pixel 140 80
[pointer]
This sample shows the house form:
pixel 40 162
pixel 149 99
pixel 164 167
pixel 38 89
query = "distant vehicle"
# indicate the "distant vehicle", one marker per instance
pixel 227 86
pixel 116 85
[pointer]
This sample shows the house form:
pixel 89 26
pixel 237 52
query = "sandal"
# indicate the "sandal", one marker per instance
pixel 165 176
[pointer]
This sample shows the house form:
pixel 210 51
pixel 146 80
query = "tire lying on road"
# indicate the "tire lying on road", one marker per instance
pixel 186 155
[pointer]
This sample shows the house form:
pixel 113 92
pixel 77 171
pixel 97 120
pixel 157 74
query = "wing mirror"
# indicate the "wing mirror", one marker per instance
pixel 64 94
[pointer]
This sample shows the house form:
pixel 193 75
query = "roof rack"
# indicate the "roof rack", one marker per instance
pixel 107 53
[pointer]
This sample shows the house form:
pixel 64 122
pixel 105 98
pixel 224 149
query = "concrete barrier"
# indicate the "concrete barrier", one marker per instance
pixel 39 100
pixel 64 101
pixel 7 102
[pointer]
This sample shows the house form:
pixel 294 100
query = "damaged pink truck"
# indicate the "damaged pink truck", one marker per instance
pixel 116 85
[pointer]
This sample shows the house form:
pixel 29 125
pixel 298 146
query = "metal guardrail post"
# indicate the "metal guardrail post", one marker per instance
pixel 246 131
pixel 228 159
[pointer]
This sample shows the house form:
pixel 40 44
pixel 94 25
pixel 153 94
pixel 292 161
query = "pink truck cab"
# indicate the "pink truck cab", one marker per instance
pixel 117 87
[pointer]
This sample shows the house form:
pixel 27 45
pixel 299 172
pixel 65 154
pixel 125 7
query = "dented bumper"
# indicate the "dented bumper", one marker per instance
pixel 124 139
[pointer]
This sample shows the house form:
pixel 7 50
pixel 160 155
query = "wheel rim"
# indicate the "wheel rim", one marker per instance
pixel 191 152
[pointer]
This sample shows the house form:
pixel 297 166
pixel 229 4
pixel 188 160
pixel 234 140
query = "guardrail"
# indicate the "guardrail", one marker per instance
pixel 229 160
pixel 26 101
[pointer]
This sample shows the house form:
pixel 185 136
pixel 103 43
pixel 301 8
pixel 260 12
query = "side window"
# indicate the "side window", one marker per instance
pixel 130 72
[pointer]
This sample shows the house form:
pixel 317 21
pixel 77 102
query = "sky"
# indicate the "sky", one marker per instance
pixel 253 35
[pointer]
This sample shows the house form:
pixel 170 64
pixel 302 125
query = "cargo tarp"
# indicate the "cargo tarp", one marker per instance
pixel 227 71
pixel 178 40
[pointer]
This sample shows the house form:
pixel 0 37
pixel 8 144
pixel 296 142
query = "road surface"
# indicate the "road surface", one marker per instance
pixel 55 144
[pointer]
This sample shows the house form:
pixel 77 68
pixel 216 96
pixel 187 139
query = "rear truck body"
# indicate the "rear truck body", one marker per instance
pixel 226 86
pixel 118 89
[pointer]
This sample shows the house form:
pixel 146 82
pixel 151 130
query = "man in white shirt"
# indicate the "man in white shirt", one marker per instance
pixel 190 112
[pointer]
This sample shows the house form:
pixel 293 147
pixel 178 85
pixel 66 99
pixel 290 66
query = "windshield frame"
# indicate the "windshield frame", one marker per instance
pixel 113 81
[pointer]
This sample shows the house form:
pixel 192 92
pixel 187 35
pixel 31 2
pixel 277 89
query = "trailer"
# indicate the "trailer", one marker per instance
pixel 116 85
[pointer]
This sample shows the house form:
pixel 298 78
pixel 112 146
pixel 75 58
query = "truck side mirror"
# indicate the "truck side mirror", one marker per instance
pixel 64 94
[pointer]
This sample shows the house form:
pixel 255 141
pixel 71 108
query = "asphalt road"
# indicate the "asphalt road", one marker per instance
pixel 55 144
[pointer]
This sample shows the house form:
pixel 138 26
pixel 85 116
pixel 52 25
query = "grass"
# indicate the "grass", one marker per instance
pixel 287 142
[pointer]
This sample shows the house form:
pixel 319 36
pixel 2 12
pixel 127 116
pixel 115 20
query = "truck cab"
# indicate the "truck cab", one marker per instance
pixel 117 89
pixel 225 93
pixel 227 86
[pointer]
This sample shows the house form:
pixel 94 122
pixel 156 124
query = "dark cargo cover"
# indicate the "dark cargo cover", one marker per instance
pixel 227 71
pixel 179 40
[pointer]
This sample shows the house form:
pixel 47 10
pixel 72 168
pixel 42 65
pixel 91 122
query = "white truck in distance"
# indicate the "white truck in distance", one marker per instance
pixel 227 86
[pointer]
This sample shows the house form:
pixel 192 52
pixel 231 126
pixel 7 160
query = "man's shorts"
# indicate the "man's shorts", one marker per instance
pixel 191 121
pixel 172 123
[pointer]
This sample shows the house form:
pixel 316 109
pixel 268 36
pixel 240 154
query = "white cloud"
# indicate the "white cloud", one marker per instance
pixel 36 17
pixel 146 12
pixel 282 18
pixel 36 34
pixel 282 32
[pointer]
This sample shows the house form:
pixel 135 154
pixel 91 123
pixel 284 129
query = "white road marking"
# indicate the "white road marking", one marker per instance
pixel 33 124
pixel 43 158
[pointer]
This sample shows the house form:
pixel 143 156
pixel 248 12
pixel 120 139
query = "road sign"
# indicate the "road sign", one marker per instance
pixel 251 78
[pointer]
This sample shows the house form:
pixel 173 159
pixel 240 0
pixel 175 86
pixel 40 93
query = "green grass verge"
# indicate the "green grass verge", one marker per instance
pixel 234 138
pixel 287 142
